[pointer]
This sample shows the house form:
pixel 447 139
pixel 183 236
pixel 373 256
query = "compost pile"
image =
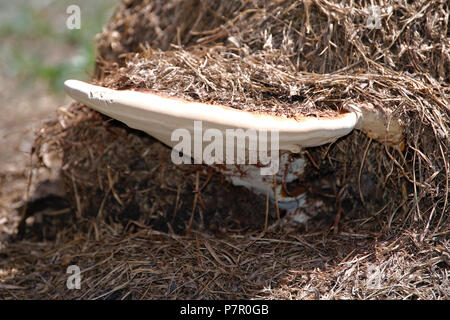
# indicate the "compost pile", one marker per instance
pixel 156 230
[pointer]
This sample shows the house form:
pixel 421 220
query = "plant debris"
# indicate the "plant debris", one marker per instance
pixel 142 228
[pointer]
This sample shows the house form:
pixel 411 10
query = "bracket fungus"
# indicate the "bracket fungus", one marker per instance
pixel 160 116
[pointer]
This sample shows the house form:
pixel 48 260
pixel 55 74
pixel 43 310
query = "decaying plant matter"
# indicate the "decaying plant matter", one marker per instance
pixel 293 58
pixel 387 208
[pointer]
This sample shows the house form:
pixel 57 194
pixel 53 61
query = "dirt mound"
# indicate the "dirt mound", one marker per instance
pixel 144 228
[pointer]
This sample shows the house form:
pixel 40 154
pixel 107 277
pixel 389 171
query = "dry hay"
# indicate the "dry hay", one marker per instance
pixel 141 227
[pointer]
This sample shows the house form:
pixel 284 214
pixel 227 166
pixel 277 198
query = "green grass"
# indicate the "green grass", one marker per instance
pixel 37 45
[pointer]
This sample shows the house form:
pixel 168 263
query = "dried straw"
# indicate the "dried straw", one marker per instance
pixel 130 206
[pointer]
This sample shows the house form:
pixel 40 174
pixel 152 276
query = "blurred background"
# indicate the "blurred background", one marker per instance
pixel 37 53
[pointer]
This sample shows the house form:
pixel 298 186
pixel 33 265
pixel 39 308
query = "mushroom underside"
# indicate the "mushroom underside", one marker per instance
pixel 249 149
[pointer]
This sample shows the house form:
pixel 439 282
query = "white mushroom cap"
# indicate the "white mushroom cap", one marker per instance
pixel 379 124
pixel 159 116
